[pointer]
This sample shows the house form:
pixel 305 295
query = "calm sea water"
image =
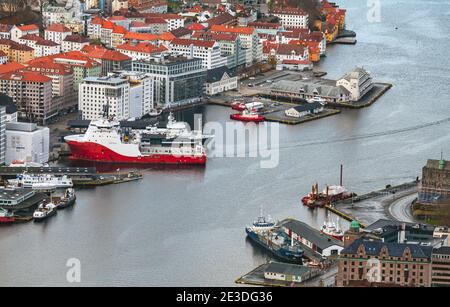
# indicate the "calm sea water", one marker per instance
pixel 185 226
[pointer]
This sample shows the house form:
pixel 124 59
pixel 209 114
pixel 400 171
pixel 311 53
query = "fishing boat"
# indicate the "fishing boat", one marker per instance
pixel 264 232
pixel 44 211
pixel 67 200
pixel 332 229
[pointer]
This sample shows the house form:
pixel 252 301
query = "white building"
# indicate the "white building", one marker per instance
pixel 358 82
pixel 57 14
pixel 173 21
pixel 5 31
pixel 208 51
pixel 18 31
pixel 129 95
pixel 3 57
pixel 249 41
pixel 140 51
pixel 286 272
pixel 292 17
pixel 3 120
pixel 27 142
pixel 96 92
pixel 42 47
pixel 301 111
pixel 220 80
pixel 74 42
pixel 57 33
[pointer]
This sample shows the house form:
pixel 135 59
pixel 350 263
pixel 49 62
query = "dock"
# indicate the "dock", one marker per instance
pixel 281 117
pixel 106 179
pixel 256 278
pixel 69 171
pixel 370 98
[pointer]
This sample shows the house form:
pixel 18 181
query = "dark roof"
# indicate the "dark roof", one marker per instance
pixel 180 32
pixel 287 269
pixel 443 250
pixel 373 248
pixel 308 107
pixel 214 75
pixel 383 223
pixel 6 101
pixel 312 235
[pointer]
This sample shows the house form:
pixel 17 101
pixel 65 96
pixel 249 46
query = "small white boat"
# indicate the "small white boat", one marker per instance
pixel 44 211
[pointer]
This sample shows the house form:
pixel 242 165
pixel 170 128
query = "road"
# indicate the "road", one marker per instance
pixel 400 209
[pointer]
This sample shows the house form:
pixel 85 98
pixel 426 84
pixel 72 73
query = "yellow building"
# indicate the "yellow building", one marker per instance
pixel 16 52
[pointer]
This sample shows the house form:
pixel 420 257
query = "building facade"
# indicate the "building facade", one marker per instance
pixel 358 82
pixel 27 142
pixel 176 80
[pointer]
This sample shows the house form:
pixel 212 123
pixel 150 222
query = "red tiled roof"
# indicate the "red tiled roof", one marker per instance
pixel 57 27
pixel 28 27
pixel 188 42
pixel 140 36
pixel 163 16
pixel 166 36
pixel 119 30
pixel 141 47
pixel 116 18
pixel 97 21
pixel 10 66
pixel 221 19
pixel 287 49
pixel 289 11
pixel 31 37
pixel 46 42
pixel 195 27
pixel 89 48
pixel 302 62
pixel 109 55
pixel 238 30
pixel 155 20
pixel 138 24
pixel 5 27
pixel 76 38
pixel 25 77
pixel 263 25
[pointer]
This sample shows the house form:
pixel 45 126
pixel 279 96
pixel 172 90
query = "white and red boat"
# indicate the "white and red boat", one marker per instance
pixel 332 229
pixel 104 141
pixel 6 217
pixel 248 116
pixel 238 106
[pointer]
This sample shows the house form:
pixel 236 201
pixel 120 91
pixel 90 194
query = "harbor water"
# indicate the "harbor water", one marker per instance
pixel 185 226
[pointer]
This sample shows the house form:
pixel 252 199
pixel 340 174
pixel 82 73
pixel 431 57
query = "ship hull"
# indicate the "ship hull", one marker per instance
pixel 337 237
pixel 7 220
pixel 243 118
pixel 89 151
pixel 280 253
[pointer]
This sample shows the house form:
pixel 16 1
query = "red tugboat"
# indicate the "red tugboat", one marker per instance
pixel 248 116
pixel 329 195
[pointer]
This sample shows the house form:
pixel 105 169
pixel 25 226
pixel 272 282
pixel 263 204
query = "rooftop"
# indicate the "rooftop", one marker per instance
pixel 286 269
pixel 374 248
pixel 434 164
pixel 57 27
pixel 313 235
pixel 25 77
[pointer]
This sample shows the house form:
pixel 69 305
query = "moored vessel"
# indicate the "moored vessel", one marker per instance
pixel 6 217
pixel 332 229
pixel 41 181
pixel 248 116
pixel 105 141
pixel 266 234
pixel 67 200
pixel 44 211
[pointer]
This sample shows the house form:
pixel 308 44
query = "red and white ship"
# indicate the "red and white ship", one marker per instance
pixel 6 217
pixel 332 229
pixel 104 141
pixel 248 116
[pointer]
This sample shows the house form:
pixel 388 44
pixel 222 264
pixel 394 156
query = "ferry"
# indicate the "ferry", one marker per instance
pixel 248 116
pixel 105 141
pixel 41 181
pixel 6 217
pixel 44 211
pixel 264 232
pixel 67 200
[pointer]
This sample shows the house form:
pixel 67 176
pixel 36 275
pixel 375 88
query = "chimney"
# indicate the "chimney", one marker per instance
pixel 402 233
